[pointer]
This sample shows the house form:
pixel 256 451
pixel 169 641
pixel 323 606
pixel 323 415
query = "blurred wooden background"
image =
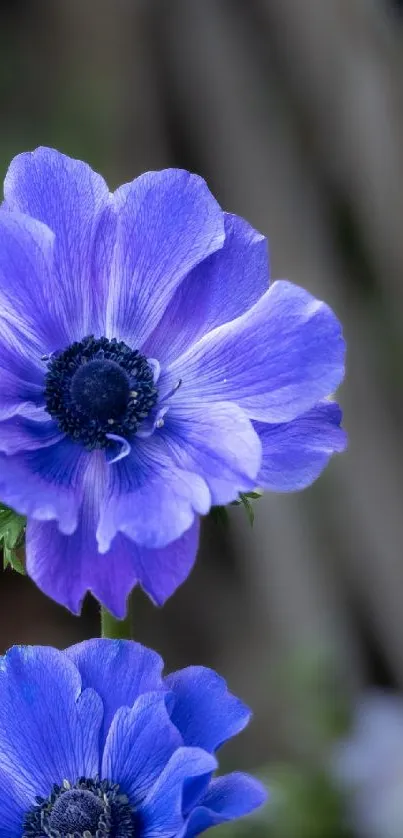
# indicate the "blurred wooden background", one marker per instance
pixel 293 112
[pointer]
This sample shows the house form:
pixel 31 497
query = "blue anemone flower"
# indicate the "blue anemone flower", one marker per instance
pixel 95 742
pixel 147 372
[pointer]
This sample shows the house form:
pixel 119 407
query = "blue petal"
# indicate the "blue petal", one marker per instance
pixel 295 453
pixel 66 566
pixel 276 361
pixel 21 380
pixel 140 742
pixel 168 222
pixel 205 712
pixel 49 728
pixel 75 203
pixel 218 442
pixel 119 670
pixel 29 300
pixel 227 798
pixel 28 326
pixel 28 434
pixel 44 484
pixel 147 479
pixel 162 812
pixel 220 288
pixel 11 808
pixel 161 571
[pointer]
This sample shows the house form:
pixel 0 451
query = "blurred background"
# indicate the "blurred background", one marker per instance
pixel 293 112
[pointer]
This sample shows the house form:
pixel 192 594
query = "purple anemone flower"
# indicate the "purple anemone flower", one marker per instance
pixel 147 372
pixel 95 742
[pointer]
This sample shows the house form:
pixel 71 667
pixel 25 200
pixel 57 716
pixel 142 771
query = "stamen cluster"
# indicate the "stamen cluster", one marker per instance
pixel 89 809
pixel 97 387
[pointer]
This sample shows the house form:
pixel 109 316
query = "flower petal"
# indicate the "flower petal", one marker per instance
pixel 218 442
pixel 167 223
pixel 44 484
pixel 21 380
pixel 23 434
pixel 276 361
pixel 75 203
pixel 11 808
pixel 295 453
pixel 140 742
pixel 29 304
pixel 67 566
pixel 151 500
pixel 48 728
pixel 119 670
pixel 228 797
pixel 161 571
pixel 162 812
pixel 205 712
pixel 218 290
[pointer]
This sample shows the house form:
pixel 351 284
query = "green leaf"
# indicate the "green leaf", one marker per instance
pixel 254 495
pixel 248 508
pixel 245 501
pixel 12 532
pixel 220 513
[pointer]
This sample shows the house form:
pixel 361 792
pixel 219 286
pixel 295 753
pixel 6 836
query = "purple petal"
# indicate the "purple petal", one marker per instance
pixel 205 712
pixel 67 566
pixel 161 814
pixel 228 797
pixel 140 742
pixel 218 442
pixel 295 453
pixel 75 203
pixel 218 290
pixel 151 500
pixel 161 571
pixel 119 671
pixel 48 727
pixel 168 222
pixel 23 434
pixel 276 361
pixel 44 484
pixel 21 380
pixel 29 301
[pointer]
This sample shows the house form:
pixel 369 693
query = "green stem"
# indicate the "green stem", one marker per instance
pixel 117 629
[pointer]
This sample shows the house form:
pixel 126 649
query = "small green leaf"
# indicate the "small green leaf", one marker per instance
pixel 245 501
pixel 12 532
pixel 254 495
pixel 220 513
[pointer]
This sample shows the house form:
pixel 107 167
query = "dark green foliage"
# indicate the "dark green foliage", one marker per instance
pixel 220 514
pixel 12 532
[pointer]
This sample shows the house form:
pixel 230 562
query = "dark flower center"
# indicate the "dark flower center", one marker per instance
pixel 77 810
pixel 89 809
pixel 97 387
pixel 101 389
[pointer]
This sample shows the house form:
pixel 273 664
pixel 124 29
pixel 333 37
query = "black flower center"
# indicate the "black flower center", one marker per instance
pixel 77 810
pixel 97 387
pixel 101 390
pixel 89 809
